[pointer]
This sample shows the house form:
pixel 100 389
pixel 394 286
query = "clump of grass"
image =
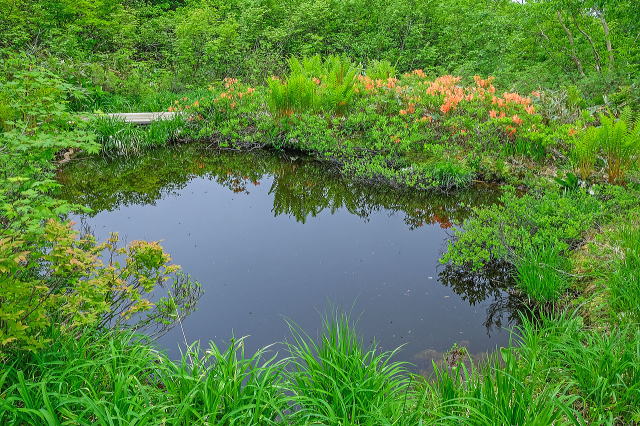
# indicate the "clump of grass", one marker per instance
pixel 119 137
pixel 294 95
pixel 601 368
pixel 497 393
pixel 624 282
pixel 560 372
pixel 541 273
pixel 225 387
pixel 338 381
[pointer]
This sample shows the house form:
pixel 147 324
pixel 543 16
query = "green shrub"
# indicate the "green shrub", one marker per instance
pixel 294 95
pixel 314 85
pixel 520 223
pixel 117 136
pixel 380 70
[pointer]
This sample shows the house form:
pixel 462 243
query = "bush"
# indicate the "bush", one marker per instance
pixel 519 224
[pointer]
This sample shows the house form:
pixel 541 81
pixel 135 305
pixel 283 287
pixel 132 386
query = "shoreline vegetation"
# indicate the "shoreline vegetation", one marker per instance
pixel 404 98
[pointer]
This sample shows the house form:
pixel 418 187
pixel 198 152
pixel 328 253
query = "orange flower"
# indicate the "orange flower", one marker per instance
pixel 572 131
pixel 530 109
pixel 510 130
pixel 403 112
pixel 535 93
pixel 493 113
pixel 516 119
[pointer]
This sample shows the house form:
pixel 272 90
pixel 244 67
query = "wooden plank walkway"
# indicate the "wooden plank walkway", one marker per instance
pixel 143 117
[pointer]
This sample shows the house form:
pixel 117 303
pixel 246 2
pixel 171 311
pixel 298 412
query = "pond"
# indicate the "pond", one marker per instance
pixel 275 237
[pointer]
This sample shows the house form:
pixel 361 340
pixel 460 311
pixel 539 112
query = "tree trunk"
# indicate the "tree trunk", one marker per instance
pixel 572 44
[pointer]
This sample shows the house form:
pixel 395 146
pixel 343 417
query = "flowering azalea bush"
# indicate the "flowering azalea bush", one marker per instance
pixel 438 132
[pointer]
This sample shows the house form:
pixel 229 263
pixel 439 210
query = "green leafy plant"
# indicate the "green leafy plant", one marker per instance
pixel 584 152
pixel 541 273
pixel 619 140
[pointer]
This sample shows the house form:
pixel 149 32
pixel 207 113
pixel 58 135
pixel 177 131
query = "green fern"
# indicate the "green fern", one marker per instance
pixel 619 140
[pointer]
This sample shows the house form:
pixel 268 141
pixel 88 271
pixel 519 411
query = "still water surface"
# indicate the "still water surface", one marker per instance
pixel 274 237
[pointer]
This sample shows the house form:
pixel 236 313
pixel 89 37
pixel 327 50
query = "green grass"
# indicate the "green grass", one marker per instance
pixel 624 282
pixel 557 370
pixel 541 273
pixel 338 381
pixel 119 137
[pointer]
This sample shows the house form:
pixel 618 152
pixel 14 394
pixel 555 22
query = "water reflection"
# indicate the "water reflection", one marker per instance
pixel 270 236
pixel 300 188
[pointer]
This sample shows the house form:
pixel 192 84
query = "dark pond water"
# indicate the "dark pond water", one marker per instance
pixel 276 237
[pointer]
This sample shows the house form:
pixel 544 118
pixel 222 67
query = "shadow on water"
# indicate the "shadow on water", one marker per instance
pixel 234 221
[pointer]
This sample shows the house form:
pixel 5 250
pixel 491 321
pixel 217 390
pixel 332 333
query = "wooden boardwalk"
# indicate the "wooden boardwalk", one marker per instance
pixel 143 117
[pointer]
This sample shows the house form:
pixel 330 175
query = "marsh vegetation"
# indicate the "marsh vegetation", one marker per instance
pixel 376 122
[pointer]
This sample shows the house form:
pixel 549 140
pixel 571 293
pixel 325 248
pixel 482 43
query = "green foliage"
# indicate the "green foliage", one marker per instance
pixel 624 281
pixel 313 84
pixel 49 274
pixel 585 151
pixel 338 381
pixel 116 136
pixel 296 94
pixel 380 70
pixel 619 140
pixel 65 282
pixel 601 367
pixel 524 223
pixel 541 273
pixel 224 387
pixel 560 372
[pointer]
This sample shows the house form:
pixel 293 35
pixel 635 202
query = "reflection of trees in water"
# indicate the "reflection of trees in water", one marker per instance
pixel 493 282
pixel 301 188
